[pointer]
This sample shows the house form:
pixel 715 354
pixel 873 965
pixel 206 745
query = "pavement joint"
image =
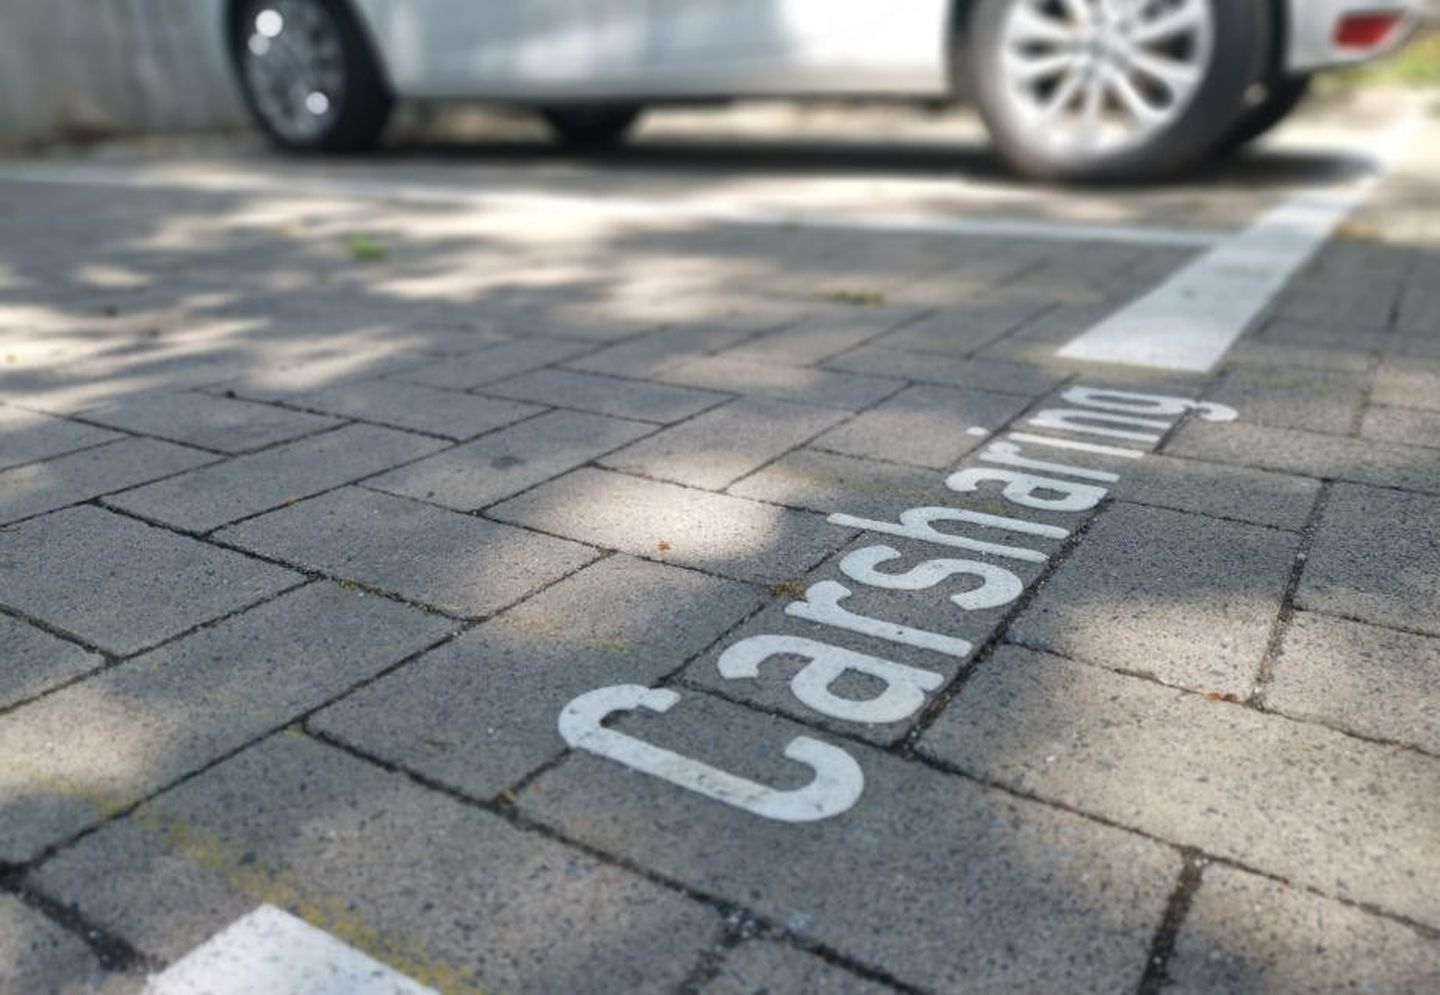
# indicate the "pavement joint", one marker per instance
pixel 1162 947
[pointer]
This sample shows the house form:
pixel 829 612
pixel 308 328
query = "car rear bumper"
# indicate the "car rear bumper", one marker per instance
pixel 1325 33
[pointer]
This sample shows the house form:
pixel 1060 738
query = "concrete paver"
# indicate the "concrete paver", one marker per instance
pixel 1354 820
pixel 848 391
pixel 37 661
pixel 36 488
pixel 925 426
pixel 1371 681
pixel 448 894
pixel 1376 557
pixel 456 563
pixel 210 497
pixel 1247 934
pixel 1386 464
pixel 829 482
pixel 948 371
pixel 122 585
pixel 1404 425
pixel 479 713
pixel 1408 383
pixel 1278 500
pixel 26 436
pixel 37 955
pixel 498 362
pixel 422 409
pixel 761 966
pixel 1281 395
pixel 967 871
pixel 713 532
pixel 509 461
pixel 637 400
pixel 717 448
pixel 1186 599
pixel 229 425
pixel 138 726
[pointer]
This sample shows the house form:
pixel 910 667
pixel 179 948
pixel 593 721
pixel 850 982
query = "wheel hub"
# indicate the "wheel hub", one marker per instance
pixel 1102 76
pixel 294 68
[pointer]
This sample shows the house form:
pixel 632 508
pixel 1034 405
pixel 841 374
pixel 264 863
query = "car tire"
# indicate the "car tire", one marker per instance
pixel 308 74
pixel 1282 95
pixel 1106 114
pixel 591 127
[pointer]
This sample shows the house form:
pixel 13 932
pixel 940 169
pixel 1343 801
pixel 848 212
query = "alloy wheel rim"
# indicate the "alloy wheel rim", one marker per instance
pixel 294 67
pixel 1097 77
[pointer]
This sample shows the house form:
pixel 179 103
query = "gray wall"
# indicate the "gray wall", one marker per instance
pixel 71 67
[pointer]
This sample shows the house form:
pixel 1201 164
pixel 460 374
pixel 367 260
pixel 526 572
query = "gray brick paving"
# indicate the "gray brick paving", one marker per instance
pixel 607 395
pixel 647 355
pixel 1371 681
pixel 1376 557
pixel 213 496
pixel 986 374
pixel 451 895
pixel 1279 500
pixel 479 713
pixel 1313 400
pixel 926 426
pixel 764 966
pixel 970 328
pixel 37 661
pixel 1404 425
pixel 720 446
pixel 1408 383
pixel 815 339
pixel 1290 451
pixel 139 726
pixel 229 425
pixel 122 585
pixel 1187 599
pixel 1247 934
pixel 674 524
pixel 967 871
pixel 512 460
pixel 1351 819
pixel 849 391
pixel 27 435
pixel 37 955
pixel 79 476
pixel 498 362
pixel 829 483
pixel 457 563
pixel 424 409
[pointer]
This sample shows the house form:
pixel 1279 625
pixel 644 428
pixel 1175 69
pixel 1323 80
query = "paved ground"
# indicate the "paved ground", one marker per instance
pixel 327 488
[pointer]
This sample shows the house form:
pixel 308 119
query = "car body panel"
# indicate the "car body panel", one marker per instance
pixel 1312 26
pixel 657 50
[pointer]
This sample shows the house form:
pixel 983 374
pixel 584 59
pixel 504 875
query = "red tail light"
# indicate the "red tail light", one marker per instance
pixel 1366 30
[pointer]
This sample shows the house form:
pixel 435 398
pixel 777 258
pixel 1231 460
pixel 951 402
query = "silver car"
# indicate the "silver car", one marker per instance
pixel 1086 90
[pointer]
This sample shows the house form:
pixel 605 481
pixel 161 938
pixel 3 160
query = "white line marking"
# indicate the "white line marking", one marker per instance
pixel 270 952
pixel 1190 321
pixel 620 208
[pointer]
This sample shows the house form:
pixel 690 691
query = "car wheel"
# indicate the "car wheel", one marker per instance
pixel 1110 90
pixel 1282 95
pixel 591 128
pixel 308 75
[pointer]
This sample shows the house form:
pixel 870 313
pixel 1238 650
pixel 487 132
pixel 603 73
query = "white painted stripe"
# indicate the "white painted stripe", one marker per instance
pixel 620 208
pixel 270 952
pixel 1191 320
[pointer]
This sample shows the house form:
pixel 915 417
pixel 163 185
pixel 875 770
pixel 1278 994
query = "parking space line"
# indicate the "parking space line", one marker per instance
pixel 1191 320
pixel 273 952
pixel 619 208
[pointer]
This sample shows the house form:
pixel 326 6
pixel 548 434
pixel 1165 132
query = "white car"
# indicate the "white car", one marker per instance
pixel 1070 89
